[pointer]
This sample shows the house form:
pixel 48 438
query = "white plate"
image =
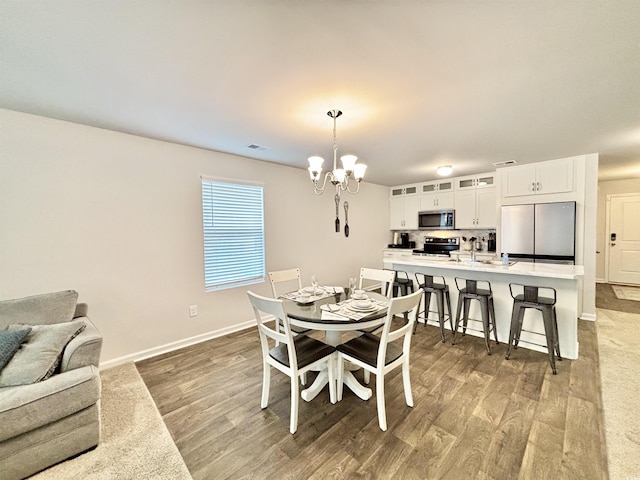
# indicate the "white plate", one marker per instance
pixel 310 290
pixel 354 308
pixel 364 304
pixel 301 301
pixel 359 297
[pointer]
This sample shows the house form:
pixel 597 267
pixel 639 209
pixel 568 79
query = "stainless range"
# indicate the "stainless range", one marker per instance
pixel 438 247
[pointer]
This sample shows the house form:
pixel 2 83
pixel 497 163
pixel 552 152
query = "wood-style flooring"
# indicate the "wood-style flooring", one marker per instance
pixel 606 298
pixel 475 416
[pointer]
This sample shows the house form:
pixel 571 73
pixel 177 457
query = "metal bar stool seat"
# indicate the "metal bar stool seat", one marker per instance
pixel 531 298
pixel 484 295
pixel 441 290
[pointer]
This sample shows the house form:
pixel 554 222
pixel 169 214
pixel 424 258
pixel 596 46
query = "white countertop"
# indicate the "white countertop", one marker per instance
pixel 549 270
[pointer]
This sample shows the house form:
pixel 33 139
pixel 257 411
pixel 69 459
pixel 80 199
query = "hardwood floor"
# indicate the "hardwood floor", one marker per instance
pixel 475 416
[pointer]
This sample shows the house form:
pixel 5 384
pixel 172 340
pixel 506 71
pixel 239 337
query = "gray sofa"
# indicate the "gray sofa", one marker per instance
pixel 48 421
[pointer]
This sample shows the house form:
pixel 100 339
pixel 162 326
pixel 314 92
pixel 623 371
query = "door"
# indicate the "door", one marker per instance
pixel 396 213
pixel 486 208
pixel 624 239
pixel 465 203
pixel 517 230
pixel 555 231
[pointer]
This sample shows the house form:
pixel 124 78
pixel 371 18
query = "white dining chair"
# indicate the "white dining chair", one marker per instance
pixel 380 355
pixel 385 277
pixel 292 356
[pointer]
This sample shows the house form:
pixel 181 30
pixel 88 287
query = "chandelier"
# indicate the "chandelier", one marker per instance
pixel 341 178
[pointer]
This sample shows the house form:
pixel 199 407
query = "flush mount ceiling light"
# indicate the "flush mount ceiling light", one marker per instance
pixel 444 170
pixel 338 177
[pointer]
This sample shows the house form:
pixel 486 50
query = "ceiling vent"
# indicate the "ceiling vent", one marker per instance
pixel 505 163
pixel 254 146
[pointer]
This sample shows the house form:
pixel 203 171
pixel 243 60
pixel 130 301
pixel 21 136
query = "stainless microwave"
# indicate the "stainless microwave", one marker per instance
pixel 437 220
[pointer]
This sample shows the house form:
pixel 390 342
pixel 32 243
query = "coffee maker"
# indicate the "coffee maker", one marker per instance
pixel 404 240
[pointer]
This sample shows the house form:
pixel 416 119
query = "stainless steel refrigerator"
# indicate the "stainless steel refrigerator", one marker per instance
pixel 541 232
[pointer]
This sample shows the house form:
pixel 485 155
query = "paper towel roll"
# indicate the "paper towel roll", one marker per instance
pixel 395 238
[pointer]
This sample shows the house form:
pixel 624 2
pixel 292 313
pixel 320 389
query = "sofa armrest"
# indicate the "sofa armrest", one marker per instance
pixel 84 349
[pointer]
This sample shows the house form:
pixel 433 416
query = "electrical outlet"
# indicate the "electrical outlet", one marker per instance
pixel 193 310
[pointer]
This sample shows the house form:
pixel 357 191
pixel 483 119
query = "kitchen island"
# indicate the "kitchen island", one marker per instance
pixel 564 278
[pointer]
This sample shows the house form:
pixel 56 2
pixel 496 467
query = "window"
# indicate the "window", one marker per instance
pixel 233 225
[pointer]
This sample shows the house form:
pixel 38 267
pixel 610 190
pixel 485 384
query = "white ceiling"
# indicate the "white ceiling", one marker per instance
pixel 421 83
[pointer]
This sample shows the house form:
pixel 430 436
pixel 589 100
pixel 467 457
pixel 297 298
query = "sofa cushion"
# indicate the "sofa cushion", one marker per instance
pixel 42 309
pixel 40 353
pixel 27 407
pixel 10 341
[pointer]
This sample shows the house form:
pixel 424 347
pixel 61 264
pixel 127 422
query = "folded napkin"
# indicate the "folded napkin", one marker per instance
pixel 327 315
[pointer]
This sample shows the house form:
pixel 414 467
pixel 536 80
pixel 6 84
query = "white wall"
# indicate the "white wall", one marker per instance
pixel 604 189
pixel 118 218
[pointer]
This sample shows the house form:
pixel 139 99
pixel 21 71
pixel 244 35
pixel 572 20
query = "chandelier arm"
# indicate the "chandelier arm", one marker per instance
pixel 351 191
pixel 320 191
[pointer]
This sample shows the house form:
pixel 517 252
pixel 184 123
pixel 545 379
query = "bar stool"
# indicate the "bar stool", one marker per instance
pixel 531 298
pixel 441 291
pixel 402 285
pixel 484 295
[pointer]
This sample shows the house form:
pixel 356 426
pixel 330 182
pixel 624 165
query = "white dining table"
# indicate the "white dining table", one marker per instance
pixel 312 316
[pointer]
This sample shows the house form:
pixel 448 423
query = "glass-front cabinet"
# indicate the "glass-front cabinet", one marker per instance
pixel 436 195
pixel 484 180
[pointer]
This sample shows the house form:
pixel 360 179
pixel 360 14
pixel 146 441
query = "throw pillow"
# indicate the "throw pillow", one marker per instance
pixel 10 341
pixel 44 309
pixel 40 353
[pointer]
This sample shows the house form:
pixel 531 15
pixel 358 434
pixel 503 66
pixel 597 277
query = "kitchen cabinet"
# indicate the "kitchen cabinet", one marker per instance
pixel 476 208
pixel 436 195
pixel 404 205
pixel 472 182
pixel 552 176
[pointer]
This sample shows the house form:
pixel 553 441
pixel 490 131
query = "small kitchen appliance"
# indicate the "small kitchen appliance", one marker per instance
pixel 404 241
pixel 436 220
pixel 438 247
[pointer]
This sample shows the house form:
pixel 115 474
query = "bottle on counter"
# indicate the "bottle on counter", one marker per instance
pixel 505 258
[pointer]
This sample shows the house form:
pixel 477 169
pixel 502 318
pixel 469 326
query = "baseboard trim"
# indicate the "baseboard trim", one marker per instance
pixel 169 347
pixel 591 317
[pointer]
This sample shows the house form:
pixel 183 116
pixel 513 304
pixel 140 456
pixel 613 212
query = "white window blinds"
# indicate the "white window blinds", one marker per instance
pixel 233 225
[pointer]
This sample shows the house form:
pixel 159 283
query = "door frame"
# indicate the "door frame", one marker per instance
pixel 608 228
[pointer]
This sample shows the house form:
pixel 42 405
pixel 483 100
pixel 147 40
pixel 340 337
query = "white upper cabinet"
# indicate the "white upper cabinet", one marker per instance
pixel 436 195
pixel 476 208
pixel 404 205
pixel 552 176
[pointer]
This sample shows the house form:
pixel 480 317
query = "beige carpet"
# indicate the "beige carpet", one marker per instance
pixel 135 442
pixel 626 293
pixel 619 350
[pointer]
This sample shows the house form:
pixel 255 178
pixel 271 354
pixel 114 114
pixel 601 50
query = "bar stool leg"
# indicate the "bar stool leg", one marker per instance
pixel 555 330
pixel 458 312
pixel 448 298
pixel 465 318
pixel 484 307
pixel 492 313
pixel 515 313
pixel 440 304
pixel 519 329
pixel 549 333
